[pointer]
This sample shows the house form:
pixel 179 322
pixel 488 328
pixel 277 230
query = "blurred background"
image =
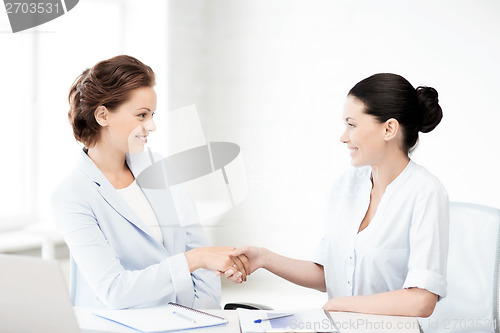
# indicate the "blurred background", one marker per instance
pixel 268 75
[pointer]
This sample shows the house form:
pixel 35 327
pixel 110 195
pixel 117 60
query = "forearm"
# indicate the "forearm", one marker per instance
pixel 412 302
pixel 304 273
pixel 194 260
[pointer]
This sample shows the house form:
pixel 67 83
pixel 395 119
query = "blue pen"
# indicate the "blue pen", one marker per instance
pixel 184 316
pixel 266 319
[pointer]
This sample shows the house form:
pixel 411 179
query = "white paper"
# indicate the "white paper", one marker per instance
pixel 310 320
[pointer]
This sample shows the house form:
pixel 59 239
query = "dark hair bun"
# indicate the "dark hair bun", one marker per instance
pixel 429 107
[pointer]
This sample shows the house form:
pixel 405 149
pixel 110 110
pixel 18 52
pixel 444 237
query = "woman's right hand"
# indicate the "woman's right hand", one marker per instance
pixel 256 256
pixel 219 259
pixel 302 272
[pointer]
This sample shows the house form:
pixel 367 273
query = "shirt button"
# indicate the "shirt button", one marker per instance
pixel 349 282
pixel 350 258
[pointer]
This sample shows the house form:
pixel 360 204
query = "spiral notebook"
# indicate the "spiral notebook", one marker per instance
pixel 172 317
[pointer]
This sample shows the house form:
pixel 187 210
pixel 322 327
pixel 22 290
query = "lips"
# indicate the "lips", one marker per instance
pixel 142 138
pixel 352 150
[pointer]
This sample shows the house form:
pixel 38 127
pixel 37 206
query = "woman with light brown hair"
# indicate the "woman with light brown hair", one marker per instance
pixel 127 247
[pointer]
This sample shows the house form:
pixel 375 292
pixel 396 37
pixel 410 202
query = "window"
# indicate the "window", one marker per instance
pixel 17 86
pixel 37 69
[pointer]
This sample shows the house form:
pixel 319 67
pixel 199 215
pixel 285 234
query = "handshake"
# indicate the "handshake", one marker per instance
pixel 235 264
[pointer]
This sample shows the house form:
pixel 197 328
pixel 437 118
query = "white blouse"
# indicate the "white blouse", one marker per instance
pixel 136 199
pixel 405 245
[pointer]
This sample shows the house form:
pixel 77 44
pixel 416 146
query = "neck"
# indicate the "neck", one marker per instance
pixel 108 160
pixel 388 169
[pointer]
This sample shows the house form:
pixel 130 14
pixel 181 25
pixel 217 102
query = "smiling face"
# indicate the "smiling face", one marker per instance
pixel 127 127
pixel 364 135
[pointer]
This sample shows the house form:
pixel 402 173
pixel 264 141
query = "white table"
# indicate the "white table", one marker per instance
pixel 360 322
pixel 345 321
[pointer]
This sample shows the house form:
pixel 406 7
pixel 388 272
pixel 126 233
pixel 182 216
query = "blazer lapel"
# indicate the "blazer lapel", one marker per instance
pixel 109 193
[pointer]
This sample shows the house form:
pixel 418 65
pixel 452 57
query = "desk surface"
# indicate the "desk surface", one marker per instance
pixel 345 322
pixel 360 322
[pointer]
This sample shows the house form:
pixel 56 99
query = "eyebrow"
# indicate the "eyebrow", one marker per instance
pixel 349 118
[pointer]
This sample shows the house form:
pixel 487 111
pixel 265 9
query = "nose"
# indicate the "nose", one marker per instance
pixel 344 138
pixel 150 125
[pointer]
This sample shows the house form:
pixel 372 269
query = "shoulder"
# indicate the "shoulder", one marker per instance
pixel 421 188
pixel 76 185
pixel 424 181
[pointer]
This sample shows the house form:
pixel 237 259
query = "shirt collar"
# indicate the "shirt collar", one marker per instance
pixel 405 174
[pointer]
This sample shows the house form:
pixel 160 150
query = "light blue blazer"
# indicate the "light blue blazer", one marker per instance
pixel 115 261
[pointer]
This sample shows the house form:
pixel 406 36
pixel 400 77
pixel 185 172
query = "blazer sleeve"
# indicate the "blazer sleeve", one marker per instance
pixel 116 286
pixel 207 285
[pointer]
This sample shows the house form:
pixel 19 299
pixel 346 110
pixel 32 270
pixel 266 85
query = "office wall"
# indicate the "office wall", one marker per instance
pixel 272 76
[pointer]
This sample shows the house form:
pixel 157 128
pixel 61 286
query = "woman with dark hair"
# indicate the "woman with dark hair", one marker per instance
pixel 385 245
pixel 127 246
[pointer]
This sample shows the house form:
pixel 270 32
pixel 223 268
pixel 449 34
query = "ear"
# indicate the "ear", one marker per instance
pixel 391 129
pixel 101 115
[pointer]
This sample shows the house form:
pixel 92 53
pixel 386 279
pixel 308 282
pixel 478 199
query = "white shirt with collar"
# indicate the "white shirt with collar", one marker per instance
pixel 405 245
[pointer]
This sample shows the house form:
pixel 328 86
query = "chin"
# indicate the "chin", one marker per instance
pixel 134 149
pixel 357 163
